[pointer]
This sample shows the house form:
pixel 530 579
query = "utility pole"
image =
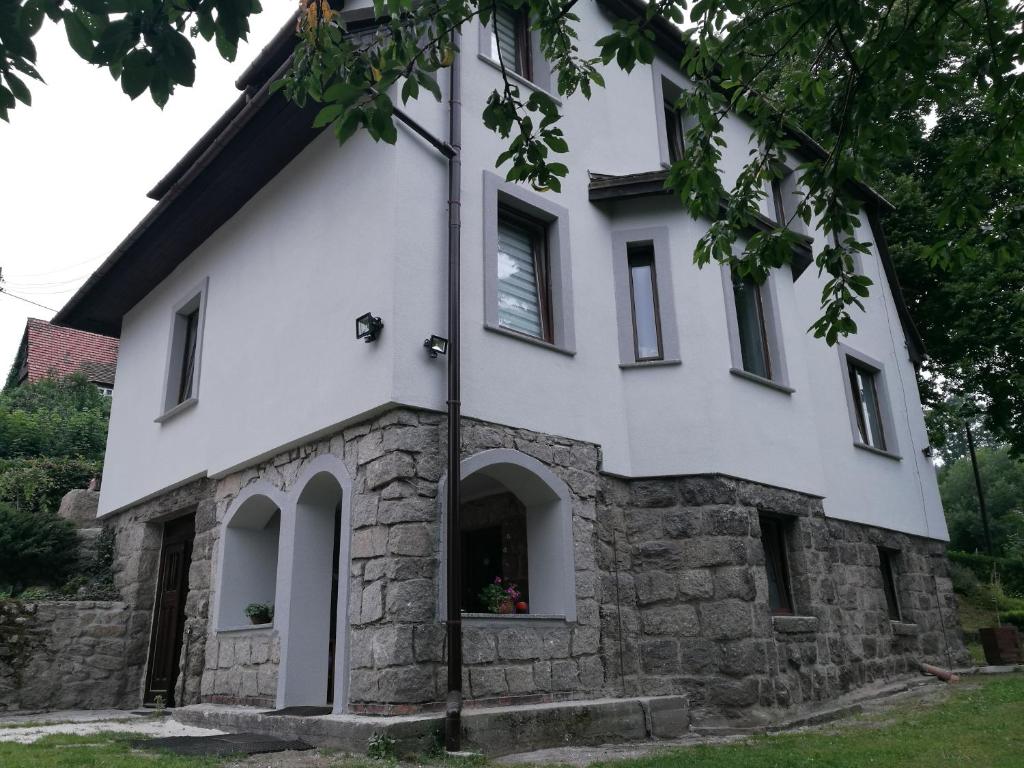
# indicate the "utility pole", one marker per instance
pixel 977 484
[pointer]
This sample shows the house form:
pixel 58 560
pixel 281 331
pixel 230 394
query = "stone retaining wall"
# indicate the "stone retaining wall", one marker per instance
pixel 63 655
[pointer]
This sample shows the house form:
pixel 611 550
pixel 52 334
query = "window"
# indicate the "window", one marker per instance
pixel 494 551
pixel 181 387
pixel 778 202
pixel 523 285
pixel 510 39
pixel 750 323
pixel 673 131
pixel 892 603
pixel 527 271
pixel 643 290
pixel 868 412
pixel 773 539
pixel 105 391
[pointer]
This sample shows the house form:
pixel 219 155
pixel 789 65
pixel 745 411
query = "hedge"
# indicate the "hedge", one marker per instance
pixel 1011 571
pixel 1016 618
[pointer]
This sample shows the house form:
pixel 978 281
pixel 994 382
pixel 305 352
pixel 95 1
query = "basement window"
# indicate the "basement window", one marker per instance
pixel 776 563
pixel 886 559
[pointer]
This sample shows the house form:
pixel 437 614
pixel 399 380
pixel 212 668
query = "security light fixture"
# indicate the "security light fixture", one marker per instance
pixel 437 345
pixel 368 327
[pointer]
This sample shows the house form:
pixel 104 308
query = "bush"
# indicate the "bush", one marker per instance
pixel 38 484
pixel 1010 570
pixel 1016 618
pixel 965 581
pixel 35 548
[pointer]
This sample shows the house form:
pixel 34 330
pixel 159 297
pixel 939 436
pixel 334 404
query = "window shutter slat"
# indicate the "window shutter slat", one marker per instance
pixel 519 306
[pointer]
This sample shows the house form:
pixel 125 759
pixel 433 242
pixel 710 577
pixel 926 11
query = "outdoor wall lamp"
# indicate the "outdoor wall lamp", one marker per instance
pixel 368 327
pixel 438 345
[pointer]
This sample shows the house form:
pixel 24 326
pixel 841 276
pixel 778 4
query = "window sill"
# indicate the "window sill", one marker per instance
pixel 248 628
pixel 493 619
pixel 904 628
pixel 184 405
pixel 649 364
pixel 794 625
pixel 878 451
pixel 761 380
pixel 519 79
pixel 529 339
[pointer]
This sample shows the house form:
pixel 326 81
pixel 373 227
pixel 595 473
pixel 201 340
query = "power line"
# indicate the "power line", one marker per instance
pixel 27 301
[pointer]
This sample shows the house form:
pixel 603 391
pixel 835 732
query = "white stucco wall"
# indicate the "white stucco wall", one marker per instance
pixel 341 232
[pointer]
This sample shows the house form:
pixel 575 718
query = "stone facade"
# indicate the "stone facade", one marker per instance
pixel 670 587
pixel 61 655
pixel 138 535
pixel 683 560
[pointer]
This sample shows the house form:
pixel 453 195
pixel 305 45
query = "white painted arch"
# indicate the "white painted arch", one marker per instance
pixel 301 585
pixel 548 503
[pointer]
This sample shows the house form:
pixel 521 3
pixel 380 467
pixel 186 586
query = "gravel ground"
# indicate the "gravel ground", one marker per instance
pixel 24 729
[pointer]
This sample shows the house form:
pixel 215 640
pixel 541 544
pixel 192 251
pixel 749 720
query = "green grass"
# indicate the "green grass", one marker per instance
pixel 981 725
pixel 98 750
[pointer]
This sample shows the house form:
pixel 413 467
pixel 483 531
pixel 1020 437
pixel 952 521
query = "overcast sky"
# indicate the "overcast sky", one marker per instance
pixel 76 165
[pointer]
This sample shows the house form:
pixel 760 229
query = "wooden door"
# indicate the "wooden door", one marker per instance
pixel 169 610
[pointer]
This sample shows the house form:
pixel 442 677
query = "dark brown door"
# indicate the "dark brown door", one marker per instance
pixel 169 610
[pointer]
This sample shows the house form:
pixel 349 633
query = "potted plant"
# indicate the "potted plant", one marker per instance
pixel 260 613
pixel 500 596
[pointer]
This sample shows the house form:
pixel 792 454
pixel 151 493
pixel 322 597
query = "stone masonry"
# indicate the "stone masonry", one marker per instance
pixel 61 655
pixel 671 592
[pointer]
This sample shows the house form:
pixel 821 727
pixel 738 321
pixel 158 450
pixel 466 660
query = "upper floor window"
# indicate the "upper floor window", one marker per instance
pixel 673 130
pixel 181 386
pixel 753 330
pixel 105 391
pixel 643 289
pixel 867 408
pixel 510 38
pixel 778 202
pixel 524 287
pixel 776 563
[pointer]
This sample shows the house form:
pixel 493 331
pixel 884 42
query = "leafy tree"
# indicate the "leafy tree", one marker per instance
pixel 1003 482
pixel 866 64
pixel 35 548
pixel 54 418
pixel 52 437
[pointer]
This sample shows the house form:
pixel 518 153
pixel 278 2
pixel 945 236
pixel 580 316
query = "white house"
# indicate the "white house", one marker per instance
pixel 692 494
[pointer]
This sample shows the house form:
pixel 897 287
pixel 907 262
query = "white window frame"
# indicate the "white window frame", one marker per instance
pixel 847 354
pixel 664 76
pixel 194 300
pixel 773 331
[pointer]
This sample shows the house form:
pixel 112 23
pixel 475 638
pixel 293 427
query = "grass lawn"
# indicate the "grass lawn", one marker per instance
pixel 981 724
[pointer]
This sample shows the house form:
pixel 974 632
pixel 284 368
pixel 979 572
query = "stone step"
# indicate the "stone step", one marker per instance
pixel 490 731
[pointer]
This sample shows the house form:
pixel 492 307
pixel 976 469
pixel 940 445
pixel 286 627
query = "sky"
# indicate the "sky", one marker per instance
pixel 76 165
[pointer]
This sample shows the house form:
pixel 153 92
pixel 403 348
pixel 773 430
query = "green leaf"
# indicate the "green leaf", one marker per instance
pixel 136 73
pixel 19 89
pixel 328 115
pixel 78 36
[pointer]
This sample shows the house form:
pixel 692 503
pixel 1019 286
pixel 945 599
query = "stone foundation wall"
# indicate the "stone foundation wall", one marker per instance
pixel 138 535
pixel 241 668
pixel 685 598
pixel 63 655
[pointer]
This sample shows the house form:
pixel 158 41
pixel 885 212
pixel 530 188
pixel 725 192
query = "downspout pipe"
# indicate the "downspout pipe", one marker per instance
pixel 453 708
pixel 452 150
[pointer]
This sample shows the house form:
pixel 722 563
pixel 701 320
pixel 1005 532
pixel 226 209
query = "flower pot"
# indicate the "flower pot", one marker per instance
pixel 260 619
pixel 506 607
pixel 1001 644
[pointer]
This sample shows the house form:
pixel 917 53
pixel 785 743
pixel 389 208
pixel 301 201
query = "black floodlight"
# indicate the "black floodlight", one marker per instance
pixel 368 327
pixel 437 345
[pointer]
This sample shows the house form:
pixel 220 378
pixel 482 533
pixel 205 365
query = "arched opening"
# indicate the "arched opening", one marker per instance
pixel 516 526
pixel 249 561
pixel 312 672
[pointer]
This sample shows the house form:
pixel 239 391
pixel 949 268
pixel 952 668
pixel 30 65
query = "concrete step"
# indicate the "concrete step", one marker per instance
pixel 490 731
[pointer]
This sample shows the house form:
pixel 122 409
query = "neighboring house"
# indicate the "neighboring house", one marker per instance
pixel 53 350
pixel 693 494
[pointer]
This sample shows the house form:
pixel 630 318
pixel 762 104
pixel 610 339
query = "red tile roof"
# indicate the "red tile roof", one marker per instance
pixel 53 349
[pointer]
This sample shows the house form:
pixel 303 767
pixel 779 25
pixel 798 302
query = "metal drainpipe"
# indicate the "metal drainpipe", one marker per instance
pixel 453 711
